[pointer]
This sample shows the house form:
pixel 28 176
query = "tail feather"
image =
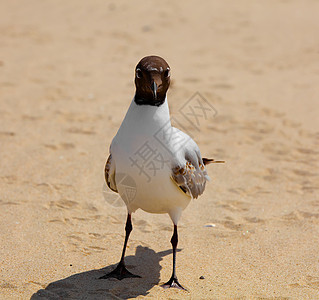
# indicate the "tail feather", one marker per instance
pixel 208 161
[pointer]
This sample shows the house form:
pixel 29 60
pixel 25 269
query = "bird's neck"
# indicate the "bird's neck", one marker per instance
pixel 150 115
pixel 146 118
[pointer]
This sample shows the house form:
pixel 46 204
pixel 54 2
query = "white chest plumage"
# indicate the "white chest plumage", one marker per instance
pixel 144 156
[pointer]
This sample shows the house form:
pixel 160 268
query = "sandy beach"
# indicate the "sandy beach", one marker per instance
pixel 66 81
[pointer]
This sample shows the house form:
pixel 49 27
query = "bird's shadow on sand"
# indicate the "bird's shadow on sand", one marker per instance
pixel 87 285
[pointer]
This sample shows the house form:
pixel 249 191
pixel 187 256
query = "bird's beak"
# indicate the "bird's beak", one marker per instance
pixel 154 89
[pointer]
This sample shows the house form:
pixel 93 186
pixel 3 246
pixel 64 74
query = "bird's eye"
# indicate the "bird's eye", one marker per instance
pixel 167 73
pixel 139 73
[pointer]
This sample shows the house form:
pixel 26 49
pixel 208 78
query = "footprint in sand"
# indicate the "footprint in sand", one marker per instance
pixel 254 220
pixel 6 133
pixel 61 146
pixel 298 216
pixel 64 203
pixel 9 179
pixel 233 205
pixel 76 130
pixel 143 226
pixel 309 282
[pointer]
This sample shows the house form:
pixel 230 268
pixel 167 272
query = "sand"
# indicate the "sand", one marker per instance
pixel 66 81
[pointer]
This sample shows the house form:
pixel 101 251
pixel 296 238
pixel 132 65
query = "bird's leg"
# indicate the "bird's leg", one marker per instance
pixel 120 271
pixel 173 282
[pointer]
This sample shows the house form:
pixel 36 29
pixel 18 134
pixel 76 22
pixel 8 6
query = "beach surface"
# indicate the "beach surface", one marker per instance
pixel 66 81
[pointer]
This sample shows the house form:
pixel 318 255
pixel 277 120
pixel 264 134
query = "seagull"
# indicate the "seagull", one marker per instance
pixel 153 165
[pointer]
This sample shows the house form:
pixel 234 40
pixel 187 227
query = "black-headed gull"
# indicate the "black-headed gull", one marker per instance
pixel 164 163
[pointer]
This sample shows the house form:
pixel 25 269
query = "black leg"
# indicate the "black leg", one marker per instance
pixel 173 282
pixel 120 271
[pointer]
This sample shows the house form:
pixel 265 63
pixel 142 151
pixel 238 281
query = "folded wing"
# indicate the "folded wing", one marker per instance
pixel 109 173
pixel 190 179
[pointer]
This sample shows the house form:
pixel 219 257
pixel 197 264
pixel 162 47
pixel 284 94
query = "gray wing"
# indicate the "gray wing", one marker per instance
pixel 189 171
pixel 109 173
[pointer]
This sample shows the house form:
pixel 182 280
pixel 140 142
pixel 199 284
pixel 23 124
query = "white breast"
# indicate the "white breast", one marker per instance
pixel 143 162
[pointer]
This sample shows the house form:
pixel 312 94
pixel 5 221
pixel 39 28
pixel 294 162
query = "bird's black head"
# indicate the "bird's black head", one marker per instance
pixel 152 78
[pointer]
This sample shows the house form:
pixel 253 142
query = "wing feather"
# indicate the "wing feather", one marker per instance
pixel 109 173
pixel 190 180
